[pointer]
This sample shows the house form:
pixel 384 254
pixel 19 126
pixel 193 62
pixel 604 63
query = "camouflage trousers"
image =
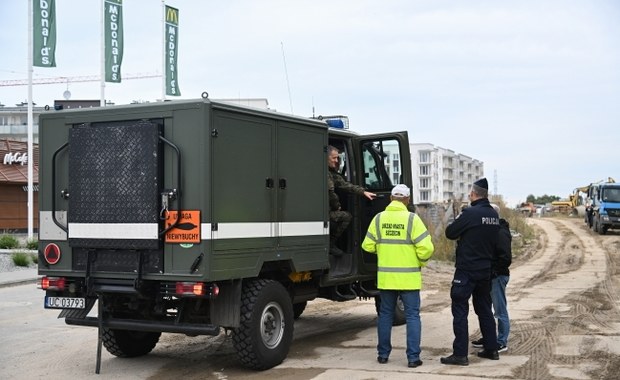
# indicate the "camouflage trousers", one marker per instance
pixel 338 223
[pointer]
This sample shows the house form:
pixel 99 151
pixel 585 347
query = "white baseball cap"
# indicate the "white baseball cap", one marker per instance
pixel 401 191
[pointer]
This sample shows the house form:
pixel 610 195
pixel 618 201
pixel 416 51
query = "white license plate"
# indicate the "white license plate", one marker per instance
pixel 65 303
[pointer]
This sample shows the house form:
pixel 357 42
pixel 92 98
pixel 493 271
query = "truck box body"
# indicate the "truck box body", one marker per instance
pixel 168 214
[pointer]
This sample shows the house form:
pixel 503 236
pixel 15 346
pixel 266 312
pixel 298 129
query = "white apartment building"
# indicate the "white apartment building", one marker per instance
pixel 14 122
pixel 439 174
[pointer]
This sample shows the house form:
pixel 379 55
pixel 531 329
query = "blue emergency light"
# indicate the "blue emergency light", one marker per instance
pixel 338 122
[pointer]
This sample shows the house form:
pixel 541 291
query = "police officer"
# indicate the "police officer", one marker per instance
pixel 476 230
pixel 499 280
pixel 403 246
pixel 339 219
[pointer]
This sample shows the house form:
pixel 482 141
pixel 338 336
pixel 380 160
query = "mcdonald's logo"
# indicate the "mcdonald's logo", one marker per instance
pixel 172 15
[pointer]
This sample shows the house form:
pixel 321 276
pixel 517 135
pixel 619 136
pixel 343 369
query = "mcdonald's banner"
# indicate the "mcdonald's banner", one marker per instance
pixel 44 33
pixel 172 42
pixel 113 39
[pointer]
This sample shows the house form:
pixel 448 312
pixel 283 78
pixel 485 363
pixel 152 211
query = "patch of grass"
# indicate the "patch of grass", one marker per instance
pixel 8 242
pixel 437 220
pixel 32 244
pixel 21 259
pixel 34 258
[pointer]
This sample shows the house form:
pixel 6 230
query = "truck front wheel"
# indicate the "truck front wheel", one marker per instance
pixel 600 228
pixel 399 311
pixel 265 331
pixel 298 309
pixel 127 343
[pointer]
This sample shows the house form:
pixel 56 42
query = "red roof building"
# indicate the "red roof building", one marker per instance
pixel 14 186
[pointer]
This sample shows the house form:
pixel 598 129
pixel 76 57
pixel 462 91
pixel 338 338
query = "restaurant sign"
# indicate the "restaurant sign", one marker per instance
pixel 16 158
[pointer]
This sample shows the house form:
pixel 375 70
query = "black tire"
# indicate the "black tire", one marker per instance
pixel 265 331
pixel 600 228
pixel 298 309
pixel 399 312
pixel 129 343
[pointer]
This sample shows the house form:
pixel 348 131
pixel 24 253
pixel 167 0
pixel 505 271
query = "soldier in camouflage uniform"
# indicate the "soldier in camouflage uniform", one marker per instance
pixel 339 219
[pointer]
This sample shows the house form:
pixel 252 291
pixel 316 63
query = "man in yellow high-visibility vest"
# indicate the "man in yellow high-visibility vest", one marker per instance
pixel 403 246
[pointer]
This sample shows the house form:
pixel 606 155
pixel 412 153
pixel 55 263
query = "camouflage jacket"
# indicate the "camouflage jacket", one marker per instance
pixel 335 181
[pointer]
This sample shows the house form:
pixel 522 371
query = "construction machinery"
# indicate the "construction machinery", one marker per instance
pixel 573 205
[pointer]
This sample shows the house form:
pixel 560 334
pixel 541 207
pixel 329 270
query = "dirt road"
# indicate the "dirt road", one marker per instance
pixel 563 298
pixel 564 305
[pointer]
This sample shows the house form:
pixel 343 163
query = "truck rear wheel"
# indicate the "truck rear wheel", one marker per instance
pixel 128 343
pixel 265 331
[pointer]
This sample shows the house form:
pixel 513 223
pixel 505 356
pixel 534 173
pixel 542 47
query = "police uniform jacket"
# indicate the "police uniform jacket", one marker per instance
pixel 476 231
pixel 402 244
pixel 335 181
pixel 503 251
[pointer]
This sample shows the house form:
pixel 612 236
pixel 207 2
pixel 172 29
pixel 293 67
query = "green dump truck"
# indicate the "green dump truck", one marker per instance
pixel 198 217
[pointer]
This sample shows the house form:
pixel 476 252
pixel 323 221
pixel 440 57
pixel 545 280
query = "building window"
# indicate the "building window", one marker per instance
pixel 424 183
pixel 425 170
pixel 424 196
pixel 425 157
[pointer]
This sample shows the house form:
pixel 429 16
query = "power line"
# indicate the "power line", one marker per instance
pixel 71 79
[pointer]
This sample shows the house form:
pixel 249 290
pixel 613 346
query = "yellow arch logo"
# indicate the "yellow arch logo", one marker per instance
pixel 172 15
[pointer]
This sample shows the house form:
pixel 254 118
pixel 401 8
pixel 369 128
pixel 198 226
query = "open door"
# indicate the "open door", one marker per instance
pixel 384 161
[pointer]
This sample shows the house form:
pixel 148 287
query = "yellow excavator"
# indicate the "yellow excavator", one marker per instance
pixel 574 205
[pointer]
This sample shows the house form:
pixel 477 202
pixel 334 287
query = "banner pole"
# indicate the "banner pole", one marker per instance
pixel 30 120
pixel 102 39
pixel 163 50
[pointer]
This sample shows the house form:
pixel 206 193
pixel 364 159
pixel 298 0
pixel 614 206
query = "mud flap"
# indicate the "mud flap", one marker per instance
pixel 99 332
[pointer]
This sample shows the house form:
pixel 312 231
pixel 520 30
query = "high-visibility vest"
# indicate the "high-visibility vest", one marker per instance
pixel 403 245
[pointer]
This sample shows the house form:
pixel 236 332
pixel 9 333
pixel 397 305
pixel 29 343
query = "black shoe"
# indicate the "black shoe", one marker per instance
pixel 415 364
pixel 455 360
pixel 382 360
pixel 489 354
pixel 335 251
pixel 477 343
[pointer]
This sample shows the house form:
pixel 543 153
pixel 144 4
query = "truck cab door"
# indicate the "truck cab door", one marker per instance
pixel 383 161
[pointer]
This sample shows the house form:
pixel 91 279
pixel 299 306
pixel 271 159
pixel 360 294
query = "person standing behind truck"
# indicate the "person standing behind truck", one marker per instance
pixel 403 246
pixel 339 219
pixel 501 275
pixel 476 230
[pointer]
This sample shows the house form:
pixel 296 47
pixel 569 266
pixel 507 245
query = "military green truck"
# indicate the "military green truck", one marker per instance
pixel 198 217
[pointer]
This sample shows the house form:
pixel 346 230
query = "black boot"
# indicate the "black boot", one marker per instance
pixel 335 251
pixel 489 354
pixel 333 248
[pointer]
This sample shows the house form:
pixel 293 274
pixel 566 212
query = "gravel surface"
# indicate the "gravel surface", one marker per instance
pixel 6 260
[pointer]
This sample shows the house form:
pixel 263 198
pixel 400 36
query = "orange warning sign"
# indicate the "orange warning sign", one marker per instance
pixel 187 229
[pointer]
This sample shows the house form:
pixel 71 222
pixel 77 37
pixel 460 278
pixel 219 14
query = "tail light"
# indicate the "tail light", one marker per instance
pixel 197 289
pixel 51 283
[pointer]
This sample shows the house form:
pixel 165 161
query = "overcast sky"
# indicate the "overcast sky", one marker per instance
pixel 531 88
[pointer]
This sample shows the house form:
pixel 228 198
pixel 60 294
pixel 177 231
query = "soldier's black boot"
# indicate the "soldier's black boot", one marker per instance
pixel 333 249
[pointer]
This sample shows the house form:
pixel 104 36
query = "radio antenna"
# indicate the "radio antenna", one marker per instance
pixel 290 100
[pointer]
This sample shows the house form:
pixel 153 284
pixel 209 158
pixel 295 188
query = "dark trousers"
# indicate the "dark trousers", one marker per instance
pixel 477 285
pixel 338 222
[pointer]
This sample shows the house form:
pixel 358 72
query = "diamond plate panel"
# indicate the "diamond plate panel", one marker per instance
pixel 114 178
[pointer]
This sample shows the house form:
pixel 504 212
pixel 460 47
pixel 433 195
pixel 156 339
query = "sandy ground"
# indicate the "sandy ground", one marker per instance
pixel 564 304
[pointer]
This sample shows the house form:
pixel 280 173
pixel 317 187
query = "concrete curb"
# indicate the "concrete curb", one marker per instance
pixel 6 284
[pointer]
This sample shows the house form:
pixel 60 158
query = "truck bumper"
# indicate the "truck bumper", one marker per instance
pixel 153 326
